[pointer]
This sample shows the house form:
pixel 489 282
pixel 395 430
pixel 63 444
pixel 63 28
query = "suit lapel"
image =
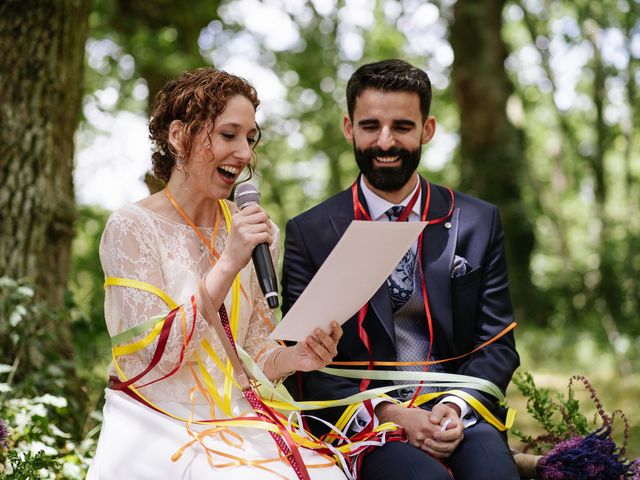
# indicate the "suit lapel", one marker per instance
pixel 438 247
pixel 381 306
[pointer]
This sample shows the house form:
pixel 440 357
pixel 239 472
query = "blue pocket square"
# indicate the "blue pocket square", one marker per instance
pixel 460 266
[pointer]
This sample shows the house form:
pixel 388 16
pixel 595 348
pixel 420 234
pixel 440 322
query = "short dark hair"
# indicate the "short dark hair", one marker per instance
pixel 391 75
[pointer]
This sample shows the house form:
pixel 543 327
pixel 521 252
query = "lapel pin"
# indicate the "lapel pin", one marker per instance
pixel 447 225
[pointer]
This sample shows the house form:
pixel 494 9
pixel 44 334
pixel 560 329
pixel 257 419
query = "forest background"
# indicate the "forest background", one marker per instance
pixel 536 103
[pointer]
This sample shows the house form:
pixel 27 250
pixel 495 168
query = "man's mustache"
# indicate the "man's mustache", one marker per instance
pixel 391 152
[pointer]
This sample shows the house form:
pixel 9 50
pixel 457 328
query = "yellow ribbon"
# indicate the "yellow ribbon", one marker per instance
pixel 274 396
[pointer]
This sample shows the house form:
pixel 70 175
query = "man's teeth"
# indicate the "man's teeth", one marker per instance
pixel 386 159
pixel 230 170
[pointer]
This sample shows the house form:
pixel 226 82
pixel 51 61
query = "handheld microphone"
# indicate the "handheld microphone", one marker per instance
pixel 247 194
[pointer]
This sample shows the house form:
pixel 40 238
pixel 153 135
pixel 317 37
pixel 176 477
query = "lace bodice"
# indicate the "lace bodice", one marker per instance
pixel 142 245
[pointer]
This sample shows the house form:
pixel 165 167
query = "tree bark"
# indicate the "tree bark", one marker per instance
pixel 41 73
pixel 492 148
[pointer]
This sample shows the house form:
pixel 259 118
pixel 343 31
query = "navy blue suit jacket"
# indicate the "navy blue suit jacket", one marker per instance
pixel 466 311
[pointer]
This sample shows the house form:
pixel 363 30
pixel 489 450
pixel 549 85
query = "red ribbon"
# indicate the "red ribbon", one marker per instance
pixel 160 348
pixel 157 355
pixel 284 441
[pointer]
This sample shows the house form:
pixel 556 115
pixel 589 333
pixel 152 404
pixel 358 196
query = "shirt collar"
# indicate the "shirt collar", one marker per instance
pixel 378 206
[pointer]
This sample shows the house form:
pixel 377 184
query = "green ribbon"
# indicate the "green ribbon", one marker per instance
pixel 268 390
pixel 434 379
pixel 129 335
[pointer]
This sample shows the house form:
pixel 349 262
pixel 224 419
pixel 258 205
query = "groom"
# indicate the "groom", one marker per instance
pixel 448 295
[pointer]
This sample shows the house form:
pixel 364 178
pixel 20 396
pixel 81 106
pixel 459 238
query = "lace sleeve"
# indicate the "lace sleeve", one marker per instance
pixel 262 319
pixel 129 249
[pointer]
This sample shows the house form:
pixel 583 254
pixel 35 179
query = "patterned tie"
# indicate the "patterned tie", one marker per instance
pixel 400 281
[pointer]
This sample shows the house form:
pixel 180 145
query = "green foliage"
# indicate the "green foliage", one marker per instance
pixel 539 403
pixel 29 466
pixel 36 440
pixel 42 399
pixel 583 171
pixel 30 343
pixel 561 417
pixel 144 43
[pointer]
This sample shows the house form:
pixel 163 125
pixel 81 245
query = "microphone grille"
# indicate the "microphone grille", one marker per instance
pixel 246 194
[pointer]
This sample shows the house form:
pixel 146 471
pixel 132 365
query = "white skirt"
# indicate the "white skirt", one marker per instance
pixel 136 443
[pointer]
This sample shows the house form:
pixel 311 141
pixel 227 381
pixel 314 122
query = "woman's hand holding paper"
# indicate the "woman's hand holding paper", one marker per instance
pixel 316 352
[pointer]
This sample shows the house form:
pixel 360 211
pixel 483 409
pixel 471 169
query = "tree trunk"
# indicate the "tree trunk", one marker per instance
pixel 41 68
pixel 492 149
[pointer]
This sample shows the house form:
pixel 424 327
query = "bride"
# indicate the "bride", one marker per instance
pixel 177 268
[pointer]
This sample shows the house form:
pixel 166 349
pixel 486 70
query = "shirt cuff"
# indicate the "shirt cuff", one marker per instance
pixel 361 418
pixel 467 414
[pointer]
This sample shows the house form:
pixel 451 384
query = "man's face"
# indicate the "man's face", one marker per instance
pixel 387 179
pixel 387 134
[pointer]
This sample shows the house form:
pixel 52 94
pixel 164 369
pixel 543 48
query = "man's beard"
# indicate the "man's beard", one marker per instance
pixel 387 179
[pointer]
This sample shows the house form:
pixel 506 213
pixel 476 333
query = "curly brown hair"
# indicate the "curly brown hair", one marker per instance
pixel 196 98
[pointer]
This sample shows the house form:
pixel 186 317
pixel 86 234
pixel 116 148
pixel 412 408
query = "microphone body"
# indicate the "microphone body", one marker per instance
pixel 267 279
pixel 247 194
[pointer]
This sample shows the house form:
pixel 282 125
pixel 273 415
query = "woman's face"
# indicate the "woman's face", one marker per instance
pixel 219 156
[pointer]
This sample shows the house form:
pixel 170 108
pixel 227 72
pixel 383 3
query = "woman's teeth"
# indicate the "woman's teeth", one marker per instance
pixel 229 172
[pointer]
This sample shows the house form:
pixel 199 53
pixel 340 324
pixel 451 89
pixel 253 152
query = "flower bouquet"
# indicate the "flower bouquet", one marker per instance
pixel 569 450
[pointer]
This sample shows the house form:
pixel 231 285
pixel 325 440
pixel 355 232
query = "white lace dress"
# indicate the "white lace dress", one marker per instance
pixel 137 442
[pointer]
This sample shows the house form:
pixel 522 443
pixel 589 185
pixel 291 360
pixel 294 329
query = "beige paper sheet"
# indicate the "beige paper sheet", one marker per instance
pixel 365 256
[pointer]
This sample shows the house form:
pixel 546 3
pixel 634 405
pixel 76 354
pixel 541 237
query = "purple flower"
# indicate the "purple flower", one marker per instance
pixel 635 469
pixel 592 457
pixel 4 433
